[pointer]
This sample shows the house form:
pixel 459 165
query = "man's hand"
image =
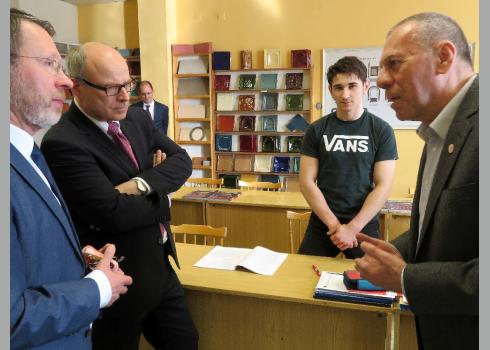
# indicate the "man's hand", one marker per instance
pixel 118 280
pixel 128 187
pixel 344 237
pixel 158 158
pixel 382 264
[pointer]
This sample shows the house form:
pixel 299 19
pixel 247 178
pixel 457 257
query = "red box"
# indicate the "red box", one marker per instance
pixel 182 49
pixel 203 47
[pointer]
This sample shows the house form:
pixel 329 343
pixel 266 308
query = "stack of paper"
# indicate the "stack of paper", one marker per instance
pixel 331 286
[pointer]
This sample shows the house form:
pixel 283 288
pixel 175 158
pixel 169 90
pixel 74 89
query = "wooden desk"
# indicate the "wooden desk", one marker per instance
pixel 259 217
pixel 242 310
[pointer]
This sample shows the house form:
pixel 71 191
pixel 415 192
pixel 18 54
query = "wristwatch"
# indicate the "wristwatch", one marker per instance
pixel 141 186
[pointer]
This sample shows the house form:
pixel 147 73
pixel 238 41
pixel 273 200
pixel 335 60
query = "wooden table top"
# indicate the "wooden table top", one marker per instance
pixel 294 281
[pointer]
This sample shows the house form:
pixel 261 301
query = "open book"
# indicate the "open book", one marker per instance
pixel 331 286
pixel 259 260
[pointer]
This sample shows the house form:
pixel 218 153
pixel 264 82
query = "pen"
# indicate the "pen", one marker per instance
pixel 317 271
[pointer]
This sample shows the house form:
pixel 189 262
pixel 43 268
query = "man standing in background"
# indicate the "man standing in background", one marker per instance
pixel 428 76
pixel 158 111
pixel 51 304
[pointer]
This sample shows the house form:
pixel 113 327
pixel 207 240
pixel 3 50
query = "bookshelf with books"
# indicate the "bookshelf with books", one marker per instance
pixel 259 120
pixel 192 109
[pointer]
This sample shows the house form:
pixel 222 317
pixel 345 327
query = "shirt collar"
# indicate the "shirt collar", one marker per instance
pixel 149 104
pixel 104 126
pixel 440 125
pixel 21 140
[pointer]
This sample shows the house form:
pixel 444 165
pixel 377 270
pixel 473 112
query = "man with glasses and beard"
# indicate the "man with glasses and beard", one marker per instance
pixel 51 304
pixel 102 155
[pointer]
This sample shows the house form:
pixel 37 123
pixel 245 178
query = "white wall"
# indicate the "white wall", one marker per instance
pixel 63 16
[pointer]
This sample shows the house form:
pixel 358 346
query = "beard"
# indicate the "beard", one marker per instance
pixel 30 104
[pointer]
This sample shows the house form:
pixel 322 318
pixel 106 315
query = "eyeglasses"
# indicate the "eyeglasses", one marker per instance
pixel 114 89
pixel 56 66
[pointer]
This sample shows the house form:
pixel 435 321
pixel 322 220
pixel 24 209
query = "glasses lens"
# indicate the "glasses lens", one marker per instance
pixel 112 90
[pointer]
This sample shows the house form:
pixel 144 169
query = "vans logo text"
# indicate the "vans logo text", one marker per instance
pixel 346 143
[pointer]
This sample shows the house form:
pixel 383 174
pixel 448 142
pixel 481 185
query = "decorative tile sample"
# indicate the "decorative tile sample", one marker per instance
pixel 198 133
pixel 243 162
pixel 192 86
pixel 246 123
pixel 268 81
pixel 193 65
pixel 269 123
pixel 246 102
pixel 301 58
pixel 263 164
pixel 295 161
pixel 297 123
pixel 246 59
pixel 294 143
pixel 185 134
pixel 191 111
pixel 248 143
pixel 280 165
pixel 294 102
pixel 246 81
pixel 226 122
pixel 272 58
pixel 223 143
pixel 269 101
pixel 225 162
pixel 222 82
pixel 224 102
pixel 294 81
pixel 271 143
pixel 221 60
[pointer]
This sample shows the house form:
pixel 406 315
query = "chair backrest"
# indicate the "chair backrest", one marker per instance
pixel 205 182
pixel 297 227
pixel 264 186
pixel 199 234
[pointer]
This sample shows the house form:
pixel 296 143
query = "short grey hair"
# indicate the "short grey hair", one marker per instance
pixel 75 62
pixel 432 27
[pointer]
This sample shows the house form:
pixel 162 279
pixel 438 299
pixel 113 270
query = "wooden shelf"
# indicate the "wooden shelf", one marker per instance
pixel 202 75
pixel 181 97
pixel 193 142
pixel 263 90
pixel 275 133
pixel 254 173
pixel 250 71
pixel 202 167
pixel 186 120
pixel 262 112
pixel 279 154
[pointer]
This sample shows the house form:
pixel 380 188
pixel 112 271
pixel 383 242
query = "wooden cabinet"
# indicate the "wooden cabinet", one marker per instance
pixel 252 115
pixel 193 108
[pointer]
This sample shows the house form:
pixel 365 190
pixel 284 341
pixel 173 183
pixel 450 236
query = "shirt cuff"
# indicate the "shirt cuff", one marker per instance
pixel 105 289
pixel 402 281
pixel 148 187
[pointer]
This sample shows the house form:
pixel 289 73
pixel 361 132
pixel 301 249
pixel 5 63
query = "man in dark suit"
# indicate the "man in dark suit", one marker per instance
pixel 158 111
pixel 427 73
pixel 51 304
pixel 102 154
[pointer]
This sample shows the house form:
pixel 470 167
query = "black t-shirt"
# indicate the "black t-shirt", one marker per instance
pixel 346 153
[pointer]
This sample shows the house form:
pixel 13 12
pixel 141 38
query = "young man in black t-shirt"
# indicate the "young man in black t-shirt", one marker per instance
pixel 347 166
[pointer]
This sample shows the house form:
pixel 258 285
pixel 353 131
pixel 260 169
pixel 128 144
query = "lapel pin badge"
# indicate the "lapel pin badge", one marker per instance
pixel 450 148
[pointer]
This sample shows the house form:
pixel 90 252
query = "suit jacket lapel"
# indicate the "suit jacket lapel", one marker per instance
pixel 97 137
pixel 26 171
pixel 457 134
pixel 136 144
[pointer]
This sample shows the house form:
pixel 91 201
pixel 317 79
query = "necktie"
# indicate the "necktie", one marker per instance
pixel 122 141
pixel 147 108
pixel 40 161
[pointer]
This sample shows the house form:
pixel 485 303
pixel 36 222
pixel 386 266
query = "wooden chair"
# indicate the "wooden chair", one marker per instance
pixel 205 182
pixel 209 235
pixel 297 227
pixel 264 186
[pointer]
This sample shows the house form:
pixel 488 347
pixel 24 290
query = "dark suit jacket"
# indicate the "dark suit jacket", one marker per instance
pixel 87 165
pixel 51 304
pixel 161 115
pixel 441 278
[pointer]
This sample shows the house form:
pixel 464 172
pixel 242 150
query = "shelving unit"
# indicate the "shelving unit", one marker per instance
pixel 134 66
pixel 193 108
pixel 282 110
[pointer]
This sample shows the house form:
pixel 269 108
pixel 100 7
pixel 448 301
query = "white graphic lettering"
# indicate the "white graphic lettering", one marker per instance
pixel 347 143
